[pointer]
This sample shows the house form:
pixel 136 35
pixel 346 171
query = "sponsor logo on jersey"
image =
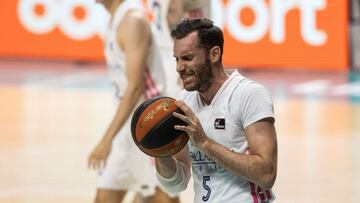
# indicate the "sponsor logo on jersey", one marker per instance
pixel 219 123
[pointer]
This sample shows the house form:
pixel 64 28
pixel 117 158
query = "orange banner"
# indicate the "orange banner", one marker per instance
pixel 60 29
pixel 310 34
pixel 293 34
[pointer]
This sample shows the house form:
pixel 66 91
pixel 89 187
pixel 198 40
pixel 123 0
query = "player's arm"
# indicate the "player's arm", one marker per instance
pixel 259 167
pixel 173 172
pixel 134 37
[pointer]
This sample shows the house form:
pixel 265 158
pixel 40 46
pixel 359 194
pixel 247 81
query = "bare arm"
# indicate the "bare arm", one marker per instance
pixel 259 167
pixel 134 37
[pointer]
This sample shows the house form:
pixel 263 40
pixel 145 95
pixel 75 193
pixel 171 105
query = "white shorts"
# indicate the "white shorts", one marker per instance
pixel 127 168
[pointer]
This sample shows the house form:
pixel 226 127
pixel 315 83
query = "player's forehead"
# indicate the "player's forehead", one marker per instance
pixel 187 44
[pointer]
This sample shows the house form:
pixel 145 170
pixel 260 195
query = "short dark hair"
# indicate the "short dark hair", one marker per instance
pixel 209 35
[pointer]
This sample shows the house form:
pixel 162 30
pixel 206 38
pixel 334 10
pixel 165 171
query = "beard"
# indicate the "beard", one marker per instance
pixel 204 77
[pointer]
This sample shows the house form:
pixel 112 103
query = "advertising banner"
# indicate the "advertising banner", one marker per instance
pixel 290 34
pixel 310 34
pixel 60 29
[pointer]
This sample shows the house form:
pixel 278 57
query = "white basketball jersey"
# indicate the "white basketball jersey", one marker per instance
pixel 237 104
pixel 155 79
pixel 165 43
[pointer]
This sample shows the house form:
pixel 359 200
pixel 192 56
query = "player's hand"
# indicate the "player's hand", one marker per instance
pixel 98 156
pixel 193 128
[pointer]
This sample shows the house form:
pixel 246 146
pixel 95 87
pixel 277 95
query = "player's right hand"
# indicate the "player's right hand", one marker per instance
pixel 98 156
pixel 193 128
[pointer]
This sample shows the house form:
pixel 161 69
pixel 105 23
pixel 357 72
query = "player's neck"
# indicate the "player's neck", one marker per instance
pixel 208 95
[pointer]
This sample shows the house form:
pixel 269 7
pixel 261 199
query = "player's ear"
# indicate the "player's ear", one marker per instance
pixel 215 54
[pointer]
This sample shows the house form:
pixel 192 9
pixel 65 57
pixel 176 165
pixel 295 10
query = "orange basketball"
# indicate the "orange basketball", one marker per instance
pixel 152 127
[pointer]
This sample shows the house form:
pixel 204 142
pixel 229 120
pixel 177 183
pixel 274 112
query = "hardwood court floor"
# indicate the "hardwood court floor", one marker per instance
pixel 52 114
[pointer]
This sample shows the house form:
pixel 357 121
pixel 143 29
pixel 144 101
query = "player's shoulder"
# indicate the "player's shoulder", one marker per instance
pixel 134 26
pixel 245 87
pixel 137 18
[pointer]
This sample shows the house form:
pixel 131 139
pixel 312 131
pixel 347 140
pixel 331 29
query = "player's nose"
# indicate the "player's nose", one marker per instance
pixel 180 67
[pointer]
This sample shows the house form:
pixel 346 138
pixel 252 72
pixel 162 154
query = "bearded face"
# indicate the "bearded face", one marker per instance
pixel 198 77
pixel 193 63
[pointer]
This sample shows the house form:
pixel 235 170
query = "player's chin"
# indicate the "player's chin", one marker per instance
pixel 189 86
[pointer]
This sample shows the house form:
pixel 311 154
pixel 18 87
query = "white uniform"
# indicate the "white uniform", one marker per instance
pixel 165 44
pixel 127 168
pixel 238 103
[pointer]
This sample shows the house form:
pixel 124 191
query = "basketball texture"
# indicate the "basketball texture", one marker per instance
pixel 152 127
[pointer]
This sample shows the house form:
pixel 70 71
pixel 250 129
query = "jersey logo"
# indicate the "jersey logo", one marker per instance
pixel 219 123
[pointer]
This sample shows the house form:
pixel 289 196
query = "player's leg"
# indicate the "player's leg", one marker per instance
pixel 163 197
pixel 143 174
pixel 139 199
pixel 143 170
pixel 109 196
pixel 115 179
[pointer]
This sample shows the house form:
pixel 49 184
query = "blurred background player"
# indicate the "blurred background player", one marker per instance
pixel 136 69
pixel 197 8
pixel 163 21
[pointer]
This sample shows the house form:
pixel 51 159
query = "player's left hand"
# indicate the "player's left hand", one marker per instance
pixel 193 128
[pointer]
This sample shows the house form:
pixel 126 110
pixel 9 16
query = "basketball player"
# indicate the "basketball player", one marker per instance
pixel 137 73
pixel 230 124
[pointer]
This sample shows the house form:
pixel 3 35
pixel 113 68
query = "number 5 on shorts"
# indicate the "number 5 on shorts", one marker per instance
pixel 207 188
